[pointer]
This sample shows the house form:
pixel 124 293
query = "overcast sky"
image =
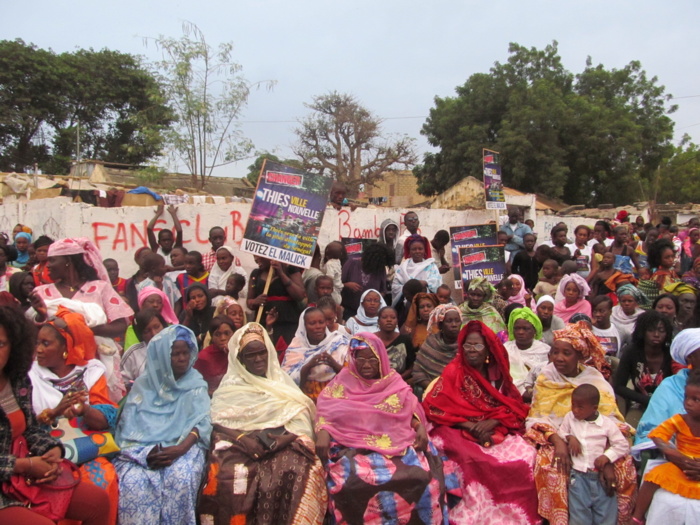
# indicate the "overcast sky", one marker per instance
pixel 395 56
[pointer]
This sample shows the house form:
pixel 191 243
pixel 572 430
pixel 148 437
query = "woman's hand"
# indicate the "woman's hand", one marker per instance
pixel 323 445
pixel 271 317
pixel 39 306
pixel 689 466
pixel 562 459
pixel 53 455
pixel 259 301
pixel 252 446
pixel 353 286
pixel 66 406
pixel 421 441
pixel 164 457
pixel 282 440
pixel 37 469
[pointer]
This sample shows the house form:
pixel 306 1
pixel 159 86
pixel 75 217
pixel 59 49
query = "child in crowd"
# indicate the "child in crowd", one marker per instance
pixel 410 289
pixel 597 252
pixel 685 428
pixel 166 242
pixel 235 284
pixel 333 313
pixel 195 272
pixel 118 283
pixel 333 258
pixel 41 254
pixel 525 262
pixel 648 287
pixel 606 332
pixel 444 294
pixel 560 252
pixel 177 262
pixel 595 443
pixel 504 291
pixel 549 281
pixel 323 286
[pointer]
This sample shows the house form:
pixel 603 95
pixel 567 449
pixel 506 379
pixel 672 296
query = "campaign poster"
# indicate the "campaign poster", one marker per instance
pixel 286 215
pixel 493 185
pixel 355 247
pixel 482 261
pixel 475 235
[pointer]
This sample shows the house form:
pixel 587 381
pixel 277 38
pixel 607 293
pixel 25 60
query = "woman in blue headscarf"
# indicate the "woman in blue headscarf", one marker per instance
pixel 22 242
pixel 164 434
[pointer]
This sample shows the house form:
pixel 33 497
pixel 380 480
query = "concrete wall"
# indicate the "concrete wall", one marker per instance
pixel 118 232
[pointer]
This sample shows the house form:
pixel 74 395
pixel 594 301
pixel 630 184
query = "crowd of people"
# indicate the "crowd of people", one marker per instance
pixel 357 390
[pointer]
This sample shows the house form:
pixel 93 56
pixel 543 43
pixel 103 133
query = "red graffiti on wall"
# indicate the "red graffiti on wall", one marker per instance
pixel 127 236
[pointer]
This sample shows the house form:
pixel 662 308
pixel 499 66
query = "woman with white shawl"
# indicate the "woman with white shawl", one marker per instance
pixel 224 267
pixel 417 264
pixel 262 465
pixel 625 314
pixel 367 317
pixel 316 354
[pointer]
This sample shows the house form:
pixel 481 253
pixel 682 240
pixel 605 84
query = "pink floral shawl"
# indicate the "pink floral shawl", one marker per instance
pixel 369 414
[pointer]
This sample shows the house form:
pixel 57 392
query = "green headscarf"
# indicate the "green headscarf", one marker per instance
pixel 529 316
pixel 480 283
pixel 630 289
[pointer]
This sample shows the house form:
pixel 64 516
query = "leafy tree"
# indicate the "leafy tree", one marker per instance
pixel 678 178
pixel 254 169
pixel 44 97
pixel 593 137
pixel 342 139
pixel 208 93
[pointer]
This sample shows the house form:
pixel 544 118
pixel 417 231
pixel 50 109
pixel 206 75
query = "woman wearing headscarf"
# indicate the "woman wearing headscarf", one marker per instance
pixel 262 467
pixel 224 267
pixel 417 264
pixel 381 466
pixel 43 454
pixel 479 417
pixel 40 271
pixel 573 346
pixel 550 322
pixel 574 289
pixel 416 324
pixel 22 242
pixel 687 302
pixel 21 286
pixel 316 354
pixel 667 400
pixel 478 305
pixel 232 309
pixel 520 295
pixel 212 362
pixel 198 311
pixel 626 312
pixel 440 347
pixel 367 317
pixel 164 432
pixel 7 255
pixel 69 382
pixel 527 354
pixel 645 363
pixel 155 299
pixel 148 322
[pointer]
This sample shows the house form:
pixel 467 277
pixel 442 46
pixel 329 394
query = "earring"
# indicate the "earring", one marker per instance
pixel 67 265
pixel 65 355
pixel 488 360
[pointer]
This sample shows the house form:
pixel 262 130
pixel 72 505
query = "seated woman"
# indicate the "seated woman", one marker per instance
pixel 574 289
pixel 416 324
pixel 147 323
pixel 163 433
pixel 626 312
pixel 21 287
pixel 551 401
pixel 212 362
pixel 417 264
pixel 479 419
pixel 197 312
pixel 398 346
pixel 478 306
pixel 526 353
pixel 69 382
pixel 687 302
pixel 381 466
pixel 439 348
pixel 366 320
pixel 550 322
pixel 262 466
pixel 315 355
pixel 18 421
pixel 645 364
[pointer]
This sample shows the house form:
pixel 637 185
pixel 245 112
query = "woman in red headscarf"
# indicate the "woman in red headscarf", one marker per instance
pixel 69 382
pixel 479 417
